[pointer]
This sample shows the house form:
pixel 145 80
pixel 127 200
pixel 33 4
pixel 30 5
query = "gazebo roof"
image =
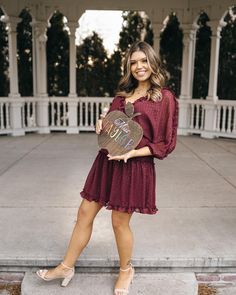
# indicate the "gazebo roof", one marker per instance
pixel 186 10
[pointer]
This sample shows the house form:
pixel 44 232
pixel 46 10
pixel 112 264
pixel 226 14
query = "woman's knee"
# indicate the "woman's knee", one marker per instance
pixel 87 212
pixel 120 219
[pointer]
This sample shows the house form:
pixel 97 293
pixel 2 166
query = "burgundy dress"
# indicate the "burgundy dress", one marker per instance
pixel 130 187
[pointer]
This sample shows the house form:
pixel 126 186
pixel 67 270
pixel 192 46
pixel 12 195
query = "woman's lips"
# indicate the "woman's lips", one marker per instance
pixel 140 73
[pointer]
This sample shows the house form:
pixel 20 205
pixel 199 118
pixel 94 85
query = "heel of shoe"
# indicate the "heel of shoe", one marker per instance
pixel 66 280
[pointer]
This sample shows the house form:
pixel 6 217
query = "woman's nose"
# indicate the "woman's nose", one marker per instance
pixel 139 64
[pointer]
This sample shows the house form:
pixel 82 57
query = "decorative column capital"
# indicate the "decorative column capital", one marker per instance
pixel 73 27
pixel 11 21
pixel 157 28
pixel 216 27
pixel 189 31
pixel 40 30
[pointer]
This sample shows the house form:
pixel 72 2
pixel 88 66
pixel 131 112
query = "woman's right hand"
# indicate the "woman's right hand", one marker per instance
pixel 98 126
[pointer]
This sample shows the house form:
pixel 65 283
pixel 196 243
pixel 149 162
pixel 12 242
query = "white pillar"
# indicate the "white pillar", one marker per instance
pixel 157 27
pixel 189 40
pixel 40 71
pixel 216 28
pixel 16 101
pixel 12 44
pixel 72 102
pixel 73 26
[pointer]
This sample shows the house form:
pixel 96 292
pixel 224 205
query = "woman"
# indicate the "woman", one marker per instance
pixel 126 184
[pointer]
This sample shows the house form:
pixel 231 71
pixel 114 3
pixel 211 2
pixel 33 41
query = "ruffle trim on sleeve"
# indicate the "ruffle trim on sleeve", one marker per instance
pixel 108 206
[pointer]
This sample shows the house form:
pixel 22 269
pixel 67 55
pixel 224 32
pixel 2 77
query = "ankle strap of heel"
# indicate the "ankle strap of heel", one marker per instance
pixel 63 264
pixel 127 268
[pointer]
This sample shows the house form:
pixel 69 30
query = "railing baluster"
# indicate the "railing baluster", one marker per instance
pixel 86 113
pixel 34 114
pixel 58 104
pixel 52 114
pixel 64 113
pixel 92 123
pixel 81 114
pixel 218 118
pixel 7 108
pixel 223 129
pixel 97 111
pixel 192 116
pixel 229 119
pixel 234 121
pixel 23 115
pixel 28 115
pixel 202 116
pixel 197 117
pixel 1 116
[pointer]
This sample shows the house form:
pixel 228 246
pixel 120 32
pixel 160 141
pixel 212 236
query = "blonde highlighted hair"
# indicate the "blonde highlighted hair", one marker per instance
pixel 157 79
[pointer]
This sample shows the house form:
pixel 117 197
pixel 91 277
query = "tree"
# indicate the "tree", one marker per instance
pixel 24 57
pixel 58 56
pixel 227 59
pixel 171 47
pixel 91 67
pixel 202 58
pixel 4 80
pixel 113 72
pixel 136 26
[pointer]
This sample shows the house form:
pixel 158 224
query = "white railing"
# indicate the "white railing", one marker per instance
pixel 5 125
pixel 28 114
pixel 73 115
pixel 222 115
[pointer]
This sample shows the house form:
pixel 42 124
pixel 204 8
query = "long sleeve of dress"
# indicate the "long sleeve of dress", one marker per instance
pixel 165 133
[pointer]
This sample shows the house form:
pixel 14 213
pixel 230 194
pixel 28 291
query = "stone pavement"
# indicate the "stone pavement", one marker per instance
pixel 40 180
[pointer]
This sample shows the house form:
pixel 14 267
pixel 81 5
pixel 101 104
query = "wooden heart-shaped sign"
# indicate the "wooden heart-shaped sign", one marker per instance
pixel 119 133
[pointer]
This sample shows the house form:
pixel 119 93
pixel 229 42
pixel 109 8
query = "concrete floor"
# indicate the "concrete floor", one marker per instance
pixel 40 180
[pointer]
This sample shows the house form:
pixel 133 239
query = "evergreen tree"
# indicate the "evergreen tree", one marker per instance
pixel 202 58
pixel 227 59
pixel 58 56
pixel 171 47
pixel 113 72
pixel 24 50
pixel 4 80
pixel 136 26
pixel 91 67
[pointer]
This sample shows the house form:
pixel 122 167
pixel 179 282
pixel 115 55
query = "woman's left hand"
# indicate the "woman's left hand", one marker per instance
pixel 125 157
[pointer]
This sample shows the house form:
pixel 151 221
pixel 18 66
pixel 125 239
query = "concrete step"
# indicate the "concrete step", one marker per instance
pixel 103 283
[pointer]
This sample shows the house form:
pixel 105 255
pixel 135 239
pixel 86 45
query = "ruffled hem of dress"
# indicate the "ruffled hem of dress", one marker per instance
pixel 118 208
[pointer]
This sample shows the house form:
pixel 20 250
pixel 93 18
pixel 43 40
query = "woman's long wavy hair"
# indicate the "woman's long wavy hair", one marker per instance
pixel 157 79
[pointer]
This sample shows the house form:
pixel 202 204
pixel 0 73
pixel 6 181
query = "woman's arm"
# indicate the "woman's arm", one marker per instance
pixel 142 152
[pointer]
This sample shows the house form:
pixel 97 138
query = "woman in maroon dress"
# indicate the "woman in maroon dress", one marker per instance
pixel 126 184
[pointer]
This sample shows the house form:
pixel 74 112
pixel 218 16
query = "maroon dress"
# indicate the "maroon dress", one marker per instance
pixel 130 187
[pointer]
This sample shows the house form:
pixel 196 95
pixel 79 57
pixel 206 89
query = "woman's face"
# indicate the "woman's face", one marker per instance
pixel 139 66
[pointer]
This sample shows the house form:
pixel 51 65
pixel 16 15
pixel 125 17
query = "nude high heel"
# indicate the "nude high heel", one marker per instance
pixel 122 291
pixel 66 278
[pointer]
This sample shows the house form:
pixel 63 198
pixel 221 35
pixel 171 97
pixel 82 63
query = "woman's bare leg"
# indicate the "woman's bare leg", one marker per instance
pixel 124 242
pixel 80 236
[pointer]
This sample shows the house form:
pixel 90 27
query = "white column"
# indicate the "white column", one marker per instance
pixel 157 27
pixel 72 26
pixel 40 71
pixel 16 101
pixel 72 101
pixel 211 109
pixel 216 28
pixel 12 44
pixel 189 40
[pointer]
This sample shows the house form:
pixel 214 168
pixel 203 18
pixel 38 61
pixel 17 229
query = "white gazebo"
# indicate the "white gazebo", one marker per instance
pixel 41 113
